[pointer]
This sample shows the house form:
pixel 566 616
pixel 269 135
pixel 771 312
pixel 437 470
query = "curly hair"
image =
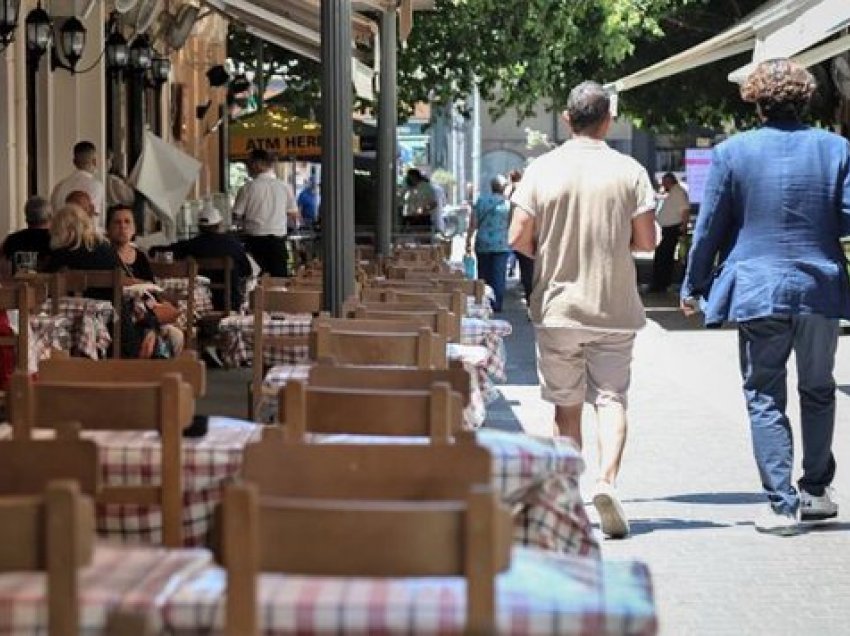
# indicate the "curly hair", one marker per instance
pixel 782 89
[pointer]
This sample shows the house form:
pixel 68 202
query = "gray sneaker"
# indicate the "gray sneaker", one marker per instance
pixel 820 508
pixel 783 524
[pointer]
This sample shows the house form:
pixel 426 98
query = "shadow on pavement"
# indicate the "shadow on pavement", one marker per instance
pixel 645 526
pixel 716 498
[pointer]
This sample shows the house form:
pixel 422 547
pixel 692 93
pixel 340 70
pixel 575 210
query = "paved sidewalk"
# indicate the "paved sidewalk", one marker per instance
pixel 691 489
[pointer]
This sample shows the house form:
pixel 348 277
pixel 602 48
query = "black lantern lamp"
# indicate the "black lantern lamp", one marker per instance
pixel 9 10
pixel 39 31
pixel 160 69
pixel 141 54
pixel 72 41
pixel 117 52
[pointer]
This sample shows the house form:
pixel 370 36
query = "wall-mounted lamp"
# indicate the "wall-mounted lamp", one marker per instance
pixel 70 42
pixel 160 69
pixel 141 54
pixel 117 52
pixel 9 10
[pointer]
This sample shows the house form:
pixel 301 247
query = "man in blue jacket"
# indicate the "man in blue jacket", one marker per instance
pixel 766 255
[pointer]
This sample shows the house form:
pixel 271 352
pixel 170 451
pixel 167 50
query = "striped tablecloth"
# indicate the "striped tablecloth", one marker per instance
pixel 541 594
pixel 120 577
pixel 87 324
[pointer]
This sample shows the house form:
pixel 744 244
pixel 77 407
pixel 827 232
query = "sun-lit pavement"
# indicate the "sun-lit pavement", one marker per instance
pixel 691 490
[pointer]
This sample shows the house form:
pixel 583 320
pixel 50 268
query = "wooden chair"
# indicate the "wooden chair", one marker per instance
pixel 394 346
pixel 348 377
pixel 60 367
pixel 27 466
pixel 468 286
pixel 436 412
pixel 453 301
pixel 51 532
pixel 165 406
pixel 268 299
pixel 210 267
pixel 83 283
pixel 323 506
pixel 20 298
pixel 188 269
pixel 439 319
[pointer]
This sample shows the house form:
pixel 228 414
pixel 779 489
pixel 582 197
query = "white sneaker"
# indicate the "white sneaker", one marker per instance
pixel 612 517
pixel 783 524
pixel 814 508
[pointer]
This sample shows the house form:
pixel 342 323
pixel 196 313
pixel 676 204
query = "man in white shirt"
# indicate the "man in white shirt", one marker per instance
pixel 82 179
pixel 263 205
pixel 672 216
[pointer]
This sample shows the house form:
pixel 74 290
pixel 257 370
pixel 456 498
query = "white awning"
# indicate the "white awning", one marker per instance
pixel 798 32
pixel 737 39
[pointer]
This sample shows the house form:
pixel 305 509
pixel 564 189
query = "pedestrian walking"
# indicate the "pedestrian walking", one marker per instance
pixel 580 210
pixel 489 225
pixel 776 202
pixel 673 216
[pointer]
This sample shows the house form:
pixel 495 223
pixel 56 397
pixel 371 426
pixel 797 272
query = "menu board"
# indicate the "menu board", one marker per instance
pixel 697 165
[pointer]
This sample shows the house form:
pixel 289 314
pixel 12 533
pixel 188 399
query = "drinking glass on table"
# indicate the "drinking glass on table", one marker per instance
pixel 26 262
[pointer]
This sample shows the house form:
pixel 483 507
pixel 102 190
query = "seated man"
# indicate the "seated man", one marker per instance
pixel 211 243
pixel 35 237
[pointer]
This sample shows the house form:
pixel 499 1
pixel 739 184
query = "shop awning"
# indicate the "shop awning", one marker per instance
pixel 279 132
pixel 800 31
pixel 740 38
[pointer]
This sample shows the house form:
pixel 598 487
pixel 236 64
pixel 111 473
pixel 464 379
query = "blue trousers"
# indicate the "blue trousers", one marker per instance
pixel 493 269
pixel 764 347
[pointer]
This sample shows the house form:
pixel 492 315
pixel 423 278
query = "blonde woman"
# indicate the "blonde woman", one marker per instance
pixel 75 243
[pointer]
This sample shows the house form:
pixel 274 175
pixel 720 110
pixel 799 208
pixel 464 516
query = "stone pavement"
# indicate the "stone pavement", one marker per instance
pixel 690 486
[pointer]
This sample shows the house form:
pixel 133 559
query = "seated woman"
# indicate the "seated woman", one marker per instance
pixel 75 244
pixel 121 229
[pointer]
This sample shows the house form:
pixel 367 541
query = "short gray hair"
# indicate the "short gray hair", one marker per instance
pixel 587 106
pixel 37 211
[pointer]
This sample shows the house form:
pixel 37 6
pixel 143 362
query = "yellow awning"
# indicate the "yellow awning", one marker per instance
pixel 278 131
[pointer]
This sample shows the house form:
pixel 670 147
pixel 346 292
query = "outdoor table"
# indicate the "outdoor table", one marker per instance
pixel 88 324
pixel 538 478
pixel 540 594
pixel 119 577
pixel 178 286
pixel 133 458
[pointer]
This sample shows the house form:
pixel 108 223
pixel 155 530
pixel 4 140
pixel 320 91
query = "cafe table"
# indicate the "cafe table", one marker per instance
pixel 537 477
pixel 87 324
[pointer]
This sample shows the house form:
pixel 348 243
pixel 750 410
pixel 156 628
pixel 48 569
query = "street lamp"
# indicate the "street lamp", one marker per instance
pixel 9 10
pixel 72 41
pixel 39 32
pixel 117 52
pixel 141 54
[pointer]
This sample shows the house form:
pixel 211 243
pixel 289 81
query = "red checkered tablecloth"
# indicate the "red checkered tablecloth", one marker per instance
pixel 132 458
pixel 541 594
pixel 88 324
pixel 203 295
pixel 136 579
pixel 238 337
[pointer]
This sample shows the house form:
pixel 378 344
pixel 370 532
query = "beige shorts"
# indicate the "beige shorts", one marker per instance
pixel 581 365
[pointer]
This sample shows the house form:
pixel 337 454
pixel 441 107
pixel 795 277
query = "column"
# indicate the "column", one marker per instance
pixel 387 124
pixel 337 155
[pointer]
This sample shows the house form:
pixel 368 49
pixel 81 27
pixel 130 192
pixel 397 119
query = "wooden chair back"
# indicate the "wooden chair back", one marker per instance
pixel 165 405
pixel 401 346
pixel 185 268
pixel 61 367
pixel 210 266
pixel 337 537
pixel 440 320
pixel 467 286
pixel 22 298
pixel 348 377
pixel 306 284
pixel 267 299
pixel 27 466
pixel 51 532
pixel 453 301
pixel 436 412
pixel 82 282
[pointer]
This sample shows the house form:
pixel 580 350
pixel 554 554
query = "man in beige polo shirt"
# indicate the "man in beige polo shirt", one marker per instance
pixel 579 211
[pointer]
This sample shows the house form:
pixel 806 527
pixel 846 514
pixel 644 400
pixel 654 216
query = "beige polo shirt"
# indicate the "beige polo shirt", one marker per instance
pixel 583 196
pixel 263 204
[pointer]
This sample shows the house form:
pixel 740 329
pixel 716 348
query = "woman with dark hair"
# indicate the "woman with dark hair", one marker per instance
pixel 775 205
pixel 121 229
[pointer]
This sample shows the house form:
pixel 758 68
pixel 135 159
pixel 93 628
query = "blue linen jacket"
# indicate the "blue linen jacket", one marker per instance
pixel 766 242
